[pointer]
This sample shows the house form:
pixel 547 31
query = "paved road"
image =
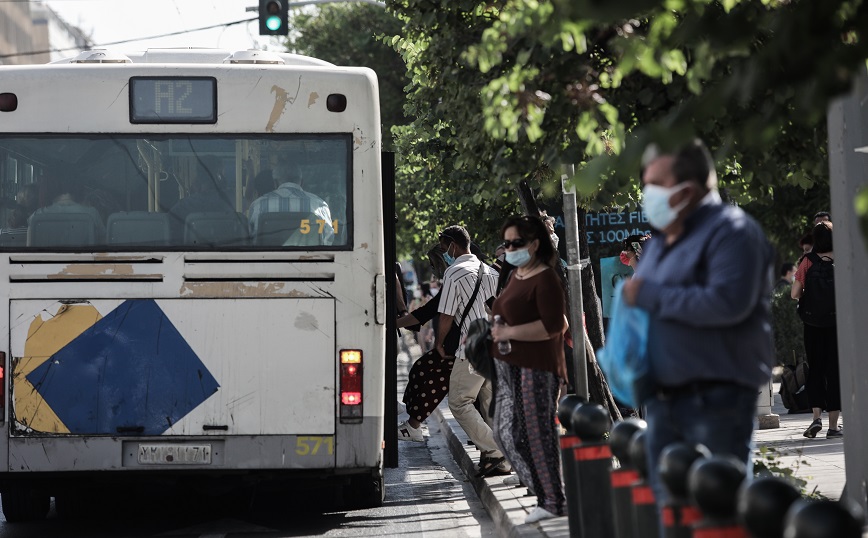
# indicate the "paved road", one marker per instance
pixel 428 496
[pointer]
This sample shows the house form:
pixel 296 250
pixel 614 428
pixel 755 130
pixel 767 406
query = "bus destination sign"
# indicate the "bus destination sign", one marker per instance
pixel 173 100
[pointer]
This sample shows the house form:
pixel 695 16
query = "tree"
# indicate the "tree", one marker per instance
pixel 538 84
pixel 452 153
pixel 512 90
pixel 347 34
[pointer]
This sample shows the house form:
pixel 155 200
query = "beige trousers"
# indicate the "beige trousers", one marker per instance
pixel 464 389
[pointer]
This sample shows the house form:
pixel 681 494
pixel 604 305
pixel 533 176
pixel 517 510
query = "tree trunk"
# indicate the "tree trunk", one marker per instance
pixel 598 388
pixel 590 299
pixel 527 199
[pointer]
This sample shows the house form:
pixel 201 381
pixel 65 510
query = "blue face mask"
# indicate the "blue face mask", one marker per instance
pixel 447 257
pixel 655 204
pixel 518 258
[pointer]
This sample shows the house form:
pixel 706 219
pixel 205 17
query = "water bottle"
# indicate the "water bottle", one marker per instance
pixel 504 347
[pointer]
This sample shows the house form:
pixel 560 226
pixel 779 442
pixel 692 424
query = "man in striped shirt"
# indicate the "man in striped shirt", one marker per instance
pixel 465 387
pixel 290 197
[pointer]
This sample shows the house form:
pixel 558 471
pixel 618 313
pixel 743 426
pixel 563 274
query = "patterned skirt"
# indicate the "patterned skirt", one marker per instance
pixel 525 430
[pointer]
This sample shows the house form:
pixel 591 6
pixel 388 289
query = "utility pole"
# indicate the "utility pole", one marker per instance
pixel 574 277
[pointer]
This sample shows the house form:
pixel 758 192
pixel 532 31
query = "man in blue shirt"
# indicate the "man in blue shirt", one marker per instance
pixel 705 279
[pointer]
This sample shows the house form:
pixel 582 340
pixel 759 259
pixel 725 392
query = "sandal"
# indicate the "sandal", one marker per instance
pixel 494 467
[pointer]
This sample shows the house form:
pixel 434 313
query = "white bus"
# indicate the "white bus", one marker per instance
pixel 192 285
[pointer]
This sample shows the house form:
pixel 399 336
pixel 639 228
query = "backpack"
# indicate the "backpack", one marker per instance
pixel 817 304
pixel 793 391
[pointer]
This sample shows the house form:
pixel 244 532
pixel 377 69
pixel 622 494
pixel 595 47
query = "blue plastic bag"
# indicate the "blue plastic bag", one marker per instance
pixel 624 358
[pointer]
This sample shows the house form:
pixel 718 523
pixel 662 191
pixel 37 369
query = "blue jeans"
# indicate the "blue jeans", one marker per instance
pixel 720 416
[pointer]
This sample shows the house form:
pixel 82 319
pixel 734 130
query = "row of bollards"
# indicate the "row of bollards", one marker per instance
pixel 709 496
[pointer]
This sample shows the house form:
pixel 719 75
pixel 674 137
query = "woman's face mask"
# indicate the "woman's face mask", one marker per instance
pixel 518 258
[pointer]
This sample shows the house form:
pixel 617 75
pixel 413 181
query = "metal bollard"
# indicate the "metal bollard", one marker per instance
pixel 763 504
pixel 713 484
pixel 568 441
pixel 623 478
pixel 592 460
pixel 643 504
pixel 678 515
pixel 822 519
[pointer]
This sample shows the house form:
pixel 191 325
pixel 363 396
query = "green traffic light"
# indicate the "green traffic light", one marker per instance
pixel 273 23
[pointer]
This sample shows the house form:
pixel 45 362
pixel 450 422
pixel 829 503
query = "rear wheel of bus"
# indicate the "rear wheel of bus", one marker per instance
pixel 365 491
pixel 22 503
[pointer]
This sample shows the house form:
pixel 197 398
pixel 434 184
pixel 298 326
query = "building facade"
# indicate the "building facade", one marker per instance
pixel 32 33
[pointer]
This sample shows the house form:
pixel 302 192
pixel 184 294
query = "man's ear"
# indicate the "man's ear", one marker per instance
pixel 690 191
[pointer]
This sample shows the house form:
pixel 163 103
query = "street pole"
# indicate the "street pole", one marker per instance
pixel 574 278
pixel 316 2
pixel 848 164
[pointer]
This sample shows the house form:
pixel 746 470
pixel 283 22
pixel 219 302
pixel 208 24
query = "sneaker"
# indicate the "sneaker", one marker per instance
pixel 834 434
pixel 512 480
pixel 409 433
pixel 402 407
pixel 814 429
pixel 538 514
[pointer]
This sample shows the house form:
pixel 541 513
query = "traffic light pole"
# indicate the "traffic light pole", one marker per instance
pixel 274 14
pixel 314 2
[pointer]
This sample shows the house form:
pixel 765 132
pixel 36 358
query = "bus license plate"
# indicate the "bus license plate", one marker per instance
pixel 174 454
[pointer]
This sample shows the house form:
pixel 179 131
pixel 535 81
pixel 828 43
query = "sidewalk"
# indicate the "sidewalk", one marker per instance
pixel 820 462
pixel 507 505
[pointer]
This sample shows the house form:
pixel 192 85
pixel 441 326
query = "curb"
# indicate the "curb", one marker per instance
pixel 506 505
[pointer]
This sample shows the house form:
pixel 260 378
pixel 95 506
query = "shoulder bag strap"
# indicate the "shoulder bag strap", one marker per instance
pixel 472 297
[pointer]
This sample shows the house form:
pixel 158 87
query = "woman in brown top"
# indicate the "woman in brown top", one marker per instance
pixel 529 376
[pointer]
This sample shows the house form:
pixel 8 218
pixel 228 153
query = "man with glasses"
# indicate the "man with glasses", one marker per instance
pixel 465 387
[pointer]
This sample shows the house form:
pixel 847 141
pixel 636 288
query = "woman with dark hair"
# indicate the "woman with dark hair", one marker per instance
pixel 821 339
pixel 532 310
pixel 632 250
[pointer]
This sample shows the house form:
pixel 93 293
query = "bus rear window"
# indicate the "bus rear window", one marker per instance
pixel 206 193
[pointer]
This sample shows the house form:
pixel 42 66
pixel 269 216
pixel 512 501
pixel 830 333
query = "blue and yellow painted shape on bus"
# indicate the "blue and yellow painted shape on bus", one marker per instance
pixel 128 372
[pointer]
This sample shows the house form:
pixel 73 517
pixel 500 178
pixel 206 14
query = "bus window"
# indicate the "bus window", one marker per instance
pixel 198 184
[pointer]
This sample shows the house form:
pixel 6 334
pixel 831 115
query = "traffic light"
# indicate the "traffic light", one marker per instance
pixel 273 17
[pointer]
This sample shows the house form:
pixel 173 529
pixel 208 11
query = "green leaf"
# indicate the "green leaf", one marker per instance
pixel 728 5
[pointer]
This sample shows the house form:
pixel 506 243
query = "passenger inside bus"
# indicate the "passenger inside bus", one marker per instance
pixel 206 196
pixel 310 221
pixel 26 202
pixel 328 186
pixel 65 222
pixel 103 201
pixel 262 183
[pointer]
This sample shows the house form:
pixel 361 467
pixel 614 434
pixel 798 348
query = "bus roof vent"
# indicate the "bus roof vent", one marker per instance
pixel 100 56
pixel 253 56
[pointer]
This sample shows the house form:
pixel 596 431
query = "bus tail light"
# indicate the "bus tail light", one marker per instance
pixel 351 384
